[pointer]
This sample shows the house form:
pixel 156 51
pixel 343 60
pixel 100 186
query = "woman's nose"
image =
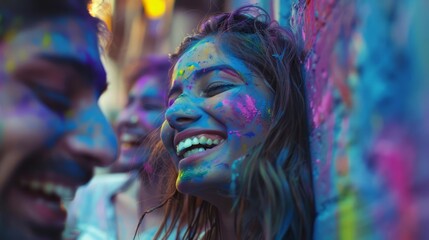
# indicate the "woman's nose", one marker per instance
pixel 128 117
pixel 182 113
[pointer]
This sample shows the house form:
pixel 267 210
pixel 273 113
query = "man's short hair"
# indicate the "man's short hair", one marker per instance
pixel 20 14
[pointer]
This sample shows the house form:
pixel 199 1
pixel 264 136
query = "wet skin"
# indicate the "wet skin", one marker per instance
pixel 216 96
pixel 54 132
pixel 142 115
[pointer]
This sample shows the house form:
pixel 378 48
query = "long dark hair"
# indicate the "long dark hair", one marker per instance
pixel 274 197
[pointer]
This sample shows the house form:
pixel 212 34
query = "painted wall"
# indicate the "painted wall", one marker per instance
pixel 367 76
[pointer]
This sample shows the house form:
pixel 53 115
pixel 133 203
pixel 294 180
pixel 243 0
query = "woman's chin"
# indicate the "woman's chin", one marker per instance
pixel 203 185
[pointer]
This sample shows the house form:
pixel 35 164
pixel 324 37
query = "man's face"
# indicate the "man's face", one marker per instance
pixel 52 132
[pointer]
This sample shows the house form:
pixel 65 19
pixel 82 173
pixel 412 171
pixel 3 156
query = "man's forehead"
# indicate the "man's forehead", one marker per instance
pixel 68 38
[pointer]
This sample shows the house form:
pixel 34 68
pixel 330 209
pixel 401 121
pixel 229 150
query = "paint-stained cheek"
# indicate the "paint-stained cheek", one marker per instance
pixel 218 106
pixel 246 110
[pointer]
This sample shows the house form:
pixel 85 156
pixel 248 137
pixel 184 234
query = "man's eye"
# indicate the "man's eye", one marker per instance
pixel 216 88
pixel 55 101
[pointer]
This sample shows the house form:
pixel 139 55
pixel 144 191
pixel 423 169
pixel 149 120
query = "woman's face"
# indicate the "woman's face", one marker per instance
pixel 142 115
pixel 218 110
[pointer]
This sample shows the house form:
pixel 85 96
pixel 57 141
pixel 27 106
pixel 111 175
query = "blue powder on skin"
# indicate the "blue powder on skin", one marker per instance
pixel 249 134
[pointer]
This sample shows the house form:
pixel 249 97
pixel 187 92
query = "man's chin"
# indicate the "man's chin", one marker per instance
pixel 25 215
pixel 14 228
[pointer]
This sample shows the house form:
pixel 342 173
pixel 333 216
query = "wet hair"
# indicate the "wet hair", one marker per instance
pixel 274 197
pixel 21 14
pixel 158 65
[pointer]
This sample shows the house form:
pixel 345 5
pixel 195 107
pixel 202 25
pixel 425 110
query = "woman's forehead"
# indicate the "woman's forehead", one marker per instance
pixel 203 55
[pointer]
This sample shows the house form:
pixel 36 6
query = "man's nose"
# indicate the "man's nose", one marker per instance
pixel 92 138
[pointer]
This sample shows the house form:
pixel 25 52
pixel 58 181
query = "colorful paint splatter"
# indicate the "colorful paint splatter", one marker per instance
pixel 367 83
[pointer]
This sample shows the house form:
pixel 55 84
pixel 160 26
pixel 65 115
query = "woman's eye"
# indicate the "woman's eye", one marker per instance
pixel 216 88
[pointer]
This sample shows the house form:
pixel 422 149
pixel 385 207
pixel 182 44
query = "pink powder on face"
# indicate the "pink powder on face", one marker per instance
pixel 244 108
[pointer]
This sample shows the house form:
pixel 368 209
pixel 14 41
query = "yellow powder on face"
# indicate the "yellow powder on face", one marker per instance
pixel 192 67
pixel 47 40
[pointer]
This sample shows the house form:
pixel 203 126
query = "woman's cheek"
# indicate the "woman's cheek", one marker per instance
pixel 244 110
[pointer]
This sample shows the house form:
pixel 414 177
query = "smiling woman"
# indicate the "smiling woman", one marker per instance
pixel 236 128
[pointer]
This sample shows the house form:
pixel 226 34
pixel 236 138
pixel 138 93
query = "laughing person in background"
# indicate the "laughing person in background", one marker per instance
pixel 52 131
pixel 110 205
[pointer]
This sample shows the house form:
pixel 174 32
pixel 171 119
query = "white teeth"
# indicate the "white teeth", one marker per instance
pixel 193 151
pixel 64 192
pixel 126 137
pixel 35 185
pixel 189 142
pixel 203 140
pixel 49 188
pixel 179 147
pixel 187 154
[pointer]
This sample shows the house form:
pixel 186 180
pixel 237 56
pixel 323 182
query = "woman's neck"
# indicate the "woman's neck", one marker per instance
pixel 227 227
pixel 224 206
pixel 150 197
